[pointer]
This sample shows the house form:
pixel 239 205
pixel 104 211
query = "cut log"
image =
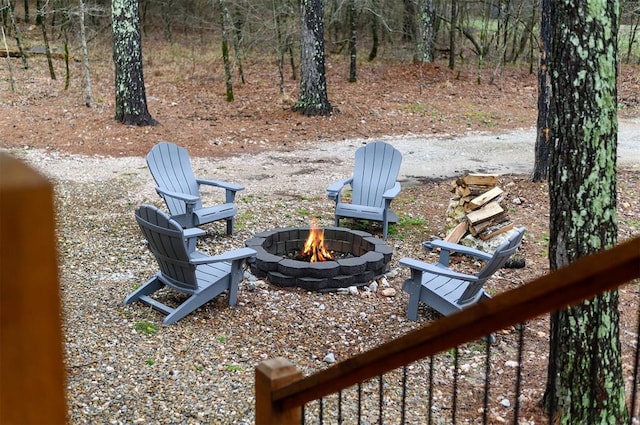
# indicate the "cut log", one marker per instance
pixel 457 232
pixel 479 201
pixel 492 231
pixel 488 180
pixel 486 212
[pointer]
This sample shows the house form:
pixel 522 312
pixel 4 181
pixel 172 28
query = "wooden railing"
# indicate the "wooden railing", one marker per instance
pixel 281 391
pixel 32 380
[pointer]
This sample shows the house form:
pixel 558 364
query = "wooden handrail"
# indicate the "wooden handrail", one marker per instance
pixel 583 279
pixel 32 384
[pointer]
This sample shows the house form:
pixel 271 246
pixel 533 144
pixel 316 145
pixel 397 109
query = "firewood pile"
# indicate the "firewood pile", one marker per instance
pixel 476 209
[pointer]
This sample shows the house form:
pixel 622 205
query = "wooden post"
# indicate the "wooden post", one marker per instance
pixel 32 384
pixel 271 375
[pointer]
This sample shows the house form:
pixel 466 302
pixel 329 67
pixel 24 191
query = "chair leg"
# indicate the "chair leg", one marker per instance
pixel 414 299
pixel 230 226
pixel 337 221
pixel 151 286
pixel 385 228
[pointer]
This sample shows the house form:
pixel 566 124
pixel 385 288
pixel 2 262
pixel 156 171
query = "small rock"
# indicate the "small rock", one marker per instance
pixel 384 282
pixel 506 403
pixel 389 292
pixel 374 286
pixel 511 363
pixel 353 290
pixel 329 358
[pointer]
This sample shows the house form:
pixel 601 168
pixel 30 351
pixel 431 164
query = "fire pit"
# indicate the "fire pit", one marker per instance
pixel 350 257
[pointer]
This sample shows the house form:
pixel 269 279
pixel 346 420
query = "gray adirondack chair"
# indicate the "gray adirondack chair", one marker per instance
pixel 200 276
pixel 176 183
pixel 448 291
pixel 373 185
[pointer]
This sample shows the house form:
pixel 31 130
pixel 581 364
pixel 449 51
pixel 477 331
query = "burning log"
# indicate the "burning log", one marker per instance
pixel 314 249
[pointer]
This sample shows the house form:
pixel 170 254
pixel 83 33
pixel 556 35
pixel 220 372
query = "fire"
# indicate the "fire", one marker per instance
pixel 314 245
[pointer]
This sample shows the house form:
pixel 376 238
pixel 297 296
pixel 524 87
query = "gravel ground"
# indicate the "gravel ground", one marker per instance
pixel 123 368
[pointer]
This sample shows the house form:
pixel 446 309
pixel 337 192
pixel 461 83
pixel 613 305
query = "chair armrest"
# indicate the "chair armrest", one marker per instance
pixel 461 249
pixel 189 199
pixel 191 237
pixel 193 232
pixel 393 192
pixel 226 256
pixel 333 191
pixel 435 269
pixel 225 185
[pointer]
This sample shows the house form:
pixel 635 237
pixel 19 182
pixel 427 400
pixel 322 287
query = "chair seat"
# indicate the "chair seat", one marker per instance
pixel 209 214
pixel 443 294
pixel 364 212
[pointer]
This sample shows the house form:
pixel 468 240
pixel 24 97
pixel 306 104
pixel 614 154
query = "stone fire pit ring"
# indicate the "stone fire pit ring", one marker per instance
pixel 370 257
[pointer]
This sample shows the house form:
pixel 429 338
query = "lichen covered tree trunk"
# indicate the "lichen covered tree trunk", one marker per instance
pixel 585 384
pixel 131 99
pixel 427 30
pixel 312 97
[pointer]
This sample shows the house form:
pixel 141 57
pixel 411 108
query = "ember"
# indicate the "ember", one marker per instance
pixel 314 249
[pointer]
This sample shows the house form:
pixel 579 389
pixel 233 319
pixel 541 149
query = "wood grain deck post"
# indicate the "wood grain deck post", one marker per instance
pixel 271 375
pixel 32 387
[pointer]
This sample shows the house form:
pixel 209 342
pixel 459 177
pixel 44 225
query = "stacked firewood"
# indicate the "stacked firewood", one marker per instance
pixel 476 208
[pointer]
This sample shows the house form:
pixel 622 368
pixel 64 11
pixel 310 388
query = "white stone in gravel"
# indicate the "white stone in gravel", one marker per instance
pixel 384 282
pixel 353 290
pixel 373 287
pixel 511 363
pixel 506 403
pixel 329 358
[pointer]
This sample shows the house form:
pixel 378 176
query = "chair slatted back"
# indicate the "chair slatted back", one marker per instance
pixel 166 242
pixel 171 169
pixel 499 258
pixel 376 169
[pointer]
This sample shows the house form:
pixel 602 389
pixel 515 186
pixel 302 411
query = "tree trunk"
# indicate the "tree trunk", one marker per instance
pixel 312 98
pixel 353 36
pixel 131 99
pixel 40 21
pixel 225 51
pixel 585 383
pixel 16 34
pixel 375 40
pixel 452 33
pixel 541 156
pixel 85 57
pixel 426 27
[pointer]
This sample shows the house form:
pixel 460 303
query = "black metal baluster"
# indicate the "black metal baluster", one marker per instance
pixel 340 407
pixel 454 402
pixel 487 380
pixel 403 402
pixel 516 408
pixel 359 402
pixel 320 410
pixel 636 377
pixel 430 413
pixel 380 399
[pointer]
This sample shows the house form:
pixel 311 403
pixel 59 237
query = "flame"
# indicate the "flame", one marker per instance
pixel 314 245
